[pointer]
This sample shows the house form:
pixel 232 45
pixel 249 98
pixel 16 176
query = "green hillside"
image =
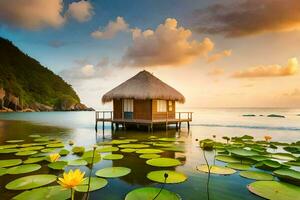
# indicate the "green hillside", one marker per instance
pixel 24 77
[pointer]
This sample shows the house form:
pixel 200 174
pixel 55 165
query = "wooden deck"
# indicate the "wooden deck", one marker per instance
pixel 107 116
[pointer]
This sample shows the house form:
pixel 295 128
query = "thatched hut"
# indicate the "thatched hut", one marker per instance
pixel 144 99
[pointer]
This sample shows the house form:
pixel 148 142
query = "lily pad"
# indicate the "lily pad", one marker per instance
pixel 134 146
pixel 216 169
pixel 293 163
pixel 256 175
pixel 10 162
pixel 3 171
pixel 78 150
pixel 240 152
pixel 149 156
pixel 88 156
pixel 284 156
pixel 128 150
pixel 113 172
pixel 275 190
pixel 151 193
pixel 45 193
pixel 288 175
pixel 167 139
pixel 58 165
pixel 238 166
pixel 32 148
pixel 152 151
pixel 107 149
pixel 95 184
pixel 163 162
pixel 8 146
pixel 29 182
pixel 22 169
pixel 163 144
pixel 48 150
pixel 268 165
pixel 227 159
pixel 64 152
pixel 25 153
pixel 173 176
pixel 113 157
pixel 34 136
pixel 14 141
pixel 77 162
pixel 55 145
pixel 14 150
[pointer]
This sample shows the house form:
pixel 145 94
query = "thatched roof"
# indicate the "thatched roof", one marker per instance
pixel 143 86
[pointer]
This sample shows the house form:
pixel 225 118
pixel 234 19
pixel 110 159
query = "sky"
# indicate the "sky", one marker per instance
pixel 217 53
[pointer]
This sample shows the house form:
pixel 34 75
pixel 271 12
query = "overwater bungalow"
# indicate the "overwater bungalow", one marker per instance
pixel 143 100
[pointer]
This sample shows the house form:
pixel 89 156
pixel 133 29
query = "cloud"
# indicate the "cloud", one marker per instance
pixel 111 29
pixel 32 14
pixel 38 14
pixel 82 11
pixel 291 68
pixel 167 45
pixel 249 17
pixel 216 71
pixel 86 70
pixel 217 56
pixel 56 43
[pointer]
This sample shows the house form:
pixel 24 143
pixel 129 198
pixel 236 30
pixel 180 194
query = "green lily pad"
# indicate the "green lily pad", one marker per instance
pixel 275 190
pixel 88 156
pixel 288 175
pixel 10 162
pixel 152 151
pixel 259 158
pixel 227 159
pixel 149 156
pixel 8 146
pixel 167 139
pixel 151 193
pixel 163 162
pixel 128 150
pixel 238 166
pixel 77 162
pixel 120 141
pixel 45 193
pixel 34 160
pixel 95 184
pixel 14 141
pixel 32 148
pixel 78 150
pixel 174 148
pixel 107 149
pixel 268 165
pixel 284 156
pixel 134 146
pixel 14 150
pixel 42 139
pixel 29 182
pixel 34 136
pixel 113 172
pixel 25 153
pixel 58 165
pixel 64 152
pixel 173 176
pixel 48 150
pixel 214 169
pixel 56 145
pixel 163 144
pixel 113 157
pixel 240 152
pixel 3 171
pixel 22 169
pixel 256 175
pixel 293 163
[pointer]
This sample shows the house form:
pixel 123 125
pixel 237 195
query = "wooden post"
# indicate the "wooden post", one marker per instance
pixel 167 120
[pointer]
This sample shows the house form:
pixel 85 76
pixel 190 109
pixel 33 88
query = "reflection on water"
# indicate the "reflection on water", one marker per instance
pixel 79 126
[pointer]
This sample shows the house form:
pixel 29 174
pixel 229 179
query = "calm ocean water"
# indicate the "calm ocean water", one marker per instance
pixel 79 126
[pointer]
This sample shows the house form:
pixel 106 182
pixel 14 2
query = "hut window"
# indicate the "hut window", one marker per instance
pixel 170 106
pixel 161 106
pixel 128 105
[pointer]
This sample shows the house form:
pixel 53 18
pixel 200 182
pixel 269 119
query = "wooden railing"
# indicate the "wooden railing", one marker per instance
pixel 187 116
pixel 104 115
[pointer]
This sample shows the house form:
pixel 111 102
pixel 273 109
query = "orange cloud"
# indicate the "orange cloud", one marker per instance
pixel 249 17
pixel 217 56
pixel 112 28
pixel 270 70
pixel 169 44
pixel 81 11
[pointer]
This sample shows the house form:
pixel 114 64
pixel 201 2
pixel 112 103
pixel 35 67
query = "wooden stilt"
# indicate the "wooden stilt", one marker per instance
pixel 96 126
pixel 176 126
pixel 188 123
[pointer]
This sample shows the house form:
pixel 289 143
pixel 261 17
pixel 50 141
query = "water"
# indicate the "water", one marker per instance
pixel 79 126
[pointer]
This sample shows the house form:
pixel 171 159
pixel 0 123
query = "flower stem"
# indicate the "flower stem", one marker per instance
pixel 72 194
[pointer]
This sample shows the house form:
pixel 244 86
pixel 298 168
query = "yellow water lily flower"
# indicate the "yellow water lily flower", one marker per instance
pixel 54 157
pixel 71 179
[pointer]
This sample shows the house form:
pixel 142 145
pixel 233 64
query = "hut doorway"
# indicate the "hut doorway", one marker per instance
pixel 128 108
